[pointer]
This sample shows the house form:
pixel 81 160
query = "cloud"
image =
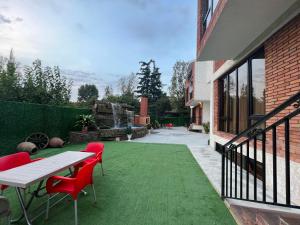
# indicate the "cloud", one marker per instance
pixel 4 19
pixel 18 19
pixel 7 20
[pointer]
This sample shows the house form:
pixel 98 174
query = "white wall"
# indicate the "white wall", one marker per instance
pixel 203 74
pixel 205 111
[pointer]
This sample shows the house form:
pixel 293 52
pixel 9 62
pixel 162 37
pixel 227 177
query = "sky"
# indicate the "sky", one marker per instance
pixel 99 41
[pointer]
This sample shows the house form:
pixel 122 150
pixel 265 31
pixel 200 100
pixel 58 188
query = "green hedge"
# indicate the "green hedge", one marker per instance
pixel 18 120
pixel 176 121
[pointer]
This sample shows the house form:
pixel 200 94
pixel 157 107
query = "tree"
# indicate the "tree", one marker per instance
pixel 149 81
pixel 127 84
pixel 10 82
pixel 88 93
pixel 45 86
pixel 143 88
pixel 177 88
pixel 108 91
pixel 162 105
pixel 155 85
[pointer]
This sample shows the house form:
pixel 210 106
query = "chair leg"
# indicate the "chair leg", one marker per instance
pixel 93 187
pixel 75 209
pixel 47 208
pixel 102 169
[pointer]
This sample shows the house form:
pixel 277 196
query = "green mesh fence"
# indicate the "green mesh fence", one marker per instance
pixel 176 121
pixel 18 120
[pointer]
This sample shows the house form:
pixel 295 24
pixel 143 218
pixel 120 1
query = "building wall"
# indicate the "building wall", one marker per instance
pixel 282 52
pixel 282 74
pixel 206 112
pixel 203 74
pixel 218 64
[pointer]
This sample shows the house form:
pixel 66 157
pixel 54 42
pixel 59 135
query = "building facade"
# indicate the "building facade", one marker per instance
pixel 197 88
pixel 254 49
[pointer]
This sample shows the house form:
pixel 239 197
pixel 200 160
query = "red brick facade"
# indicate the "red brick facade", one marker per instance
pixel 282 74
pixel 218 64
pixel 282 55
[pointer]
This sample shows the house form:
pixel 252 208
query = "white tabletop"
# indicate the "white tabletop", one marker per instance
pixel 24 176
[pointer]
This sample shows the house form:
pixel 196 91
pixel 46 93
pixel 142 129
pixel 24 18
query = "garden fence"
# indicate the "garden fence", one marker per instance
pixel 19 119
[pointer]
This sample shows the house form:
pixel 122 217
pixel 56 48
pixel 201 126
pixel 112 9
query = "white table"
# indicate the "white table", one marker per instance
pixel 23 176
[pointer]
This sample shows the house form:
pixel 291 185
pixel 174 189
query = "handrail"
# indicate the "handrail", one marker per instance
pixel 294 99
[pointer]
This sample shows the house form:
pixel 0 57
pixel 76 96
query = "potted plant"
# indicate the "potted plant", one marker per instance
pixel 206 127
pixel 129 132
pixel 84 121
pixel 149 127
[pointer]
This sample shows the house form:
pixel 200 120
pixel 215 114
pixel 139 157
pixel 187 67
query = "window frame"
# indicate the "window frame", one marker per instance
pixel 225 125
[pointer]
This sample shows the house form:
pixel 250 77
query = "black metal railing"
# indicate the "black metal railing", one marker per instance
pixel 244 175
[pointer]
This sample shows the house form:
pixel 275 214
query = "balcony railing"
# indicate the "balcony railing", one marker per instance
pixel 243 175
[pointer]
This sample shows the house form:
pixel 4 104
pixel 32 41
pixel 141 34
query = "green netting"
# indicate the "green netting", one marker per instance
pixel 176 121
pixel 18 120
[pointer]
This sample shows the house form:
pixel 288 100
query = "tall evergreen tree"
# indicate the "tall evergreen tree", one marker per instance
pixel 143 88
pixel 10 87
pixel 149 81
pixel 155 85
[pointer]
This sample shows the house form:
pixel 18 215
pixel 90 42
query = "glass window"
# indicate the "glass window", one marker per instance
pixel 232 102
pixel 258 83
pixel 243 96
pixel 215 3
pixel 238 105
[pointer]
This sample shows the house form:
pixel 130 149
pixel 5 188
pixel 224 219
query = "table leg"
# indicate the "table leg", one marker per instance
pixel 21 200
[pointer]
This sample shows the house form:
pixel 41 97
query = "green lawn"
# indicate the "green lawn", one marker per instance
pixel 144 184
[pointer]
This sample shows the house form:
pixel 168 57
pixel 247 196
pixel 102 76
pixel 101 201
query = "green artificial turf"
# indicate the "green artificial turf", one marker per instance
pixel 144 184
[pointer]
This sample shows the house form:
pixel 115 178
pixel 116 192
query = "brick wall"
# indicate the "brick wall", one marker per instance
pixel 282 52
pixel 282 69
pixel 144 106
pixel 218 64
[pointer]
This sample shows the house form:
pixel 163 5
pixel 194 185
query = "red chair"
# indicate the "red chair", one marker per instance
pixel 98 149
pixel 72 185
pixel 169 125
pixel 12 161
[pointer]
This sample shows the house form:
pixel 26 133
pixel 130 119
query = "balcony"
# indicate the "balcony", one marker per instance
pixel 233 26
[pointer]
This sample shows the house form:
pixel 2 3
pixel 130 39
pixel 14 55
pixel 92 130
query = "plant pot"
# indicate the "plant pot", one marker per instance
pixel 129 137
pixel 85 130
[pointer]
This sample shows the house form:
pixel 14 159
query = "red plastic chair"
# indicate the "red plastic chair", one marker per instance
pixel 72 185
pixel 98 149
pixel 169 125
pixel 12 161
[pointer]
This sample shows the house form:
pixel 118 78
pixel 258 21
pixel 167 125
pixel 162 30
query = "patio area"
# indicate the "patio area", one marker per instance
pixel 143 184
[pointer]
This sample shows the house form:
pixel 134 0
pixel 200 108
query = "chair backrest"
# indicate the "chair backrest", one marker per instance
pixel 84 176
pixel 14 160
pixel 95 147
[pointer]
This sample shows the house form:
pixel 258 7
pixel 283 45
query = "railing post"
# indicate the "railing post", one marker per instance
pixel 223 173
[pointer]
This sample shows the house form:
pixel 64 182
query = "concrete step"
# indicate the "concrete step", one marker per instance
pixel 245 215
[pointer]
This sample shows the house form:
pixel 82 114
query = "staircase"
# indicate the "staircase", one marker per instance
pixel 255 216
pixel 256 169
